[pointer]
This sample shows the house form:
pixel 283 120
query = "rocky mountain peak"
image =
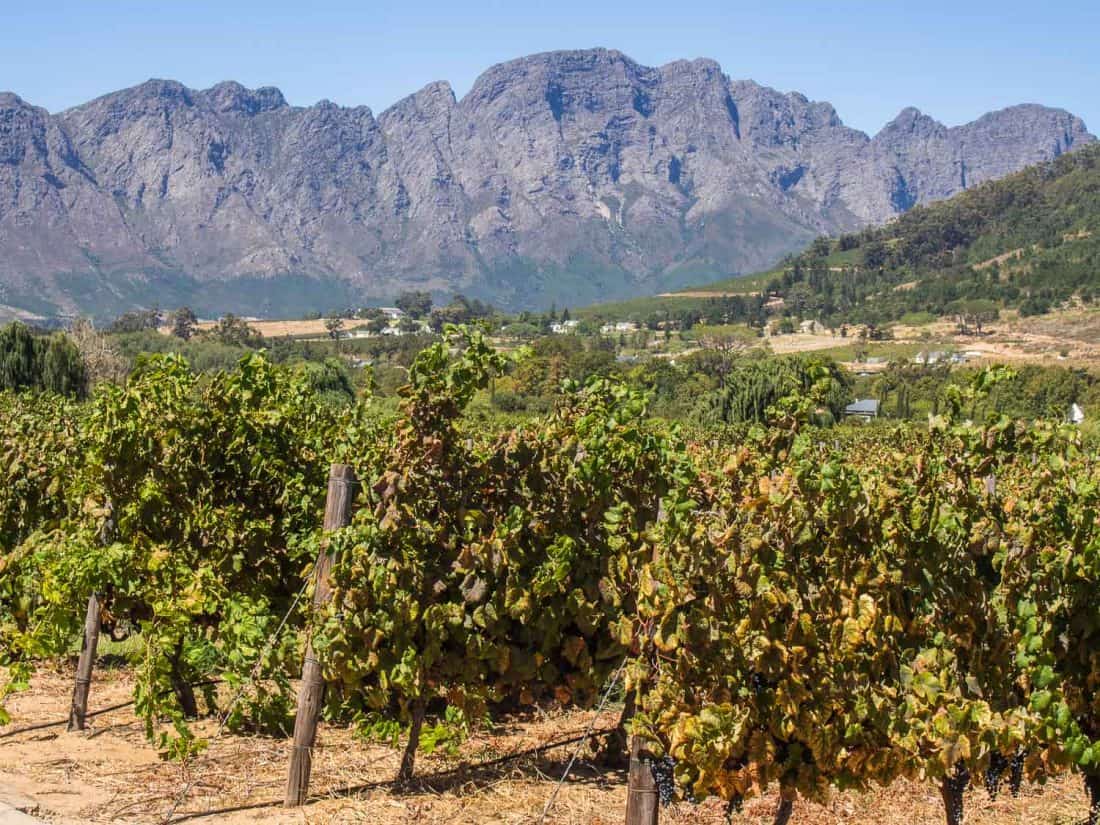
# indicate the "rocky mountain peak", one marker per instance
pixel 563 177
pixel 911 123
pixel 230 96
pixel 429 101
pixel 22 128
pixel 10 100
pixel 154 93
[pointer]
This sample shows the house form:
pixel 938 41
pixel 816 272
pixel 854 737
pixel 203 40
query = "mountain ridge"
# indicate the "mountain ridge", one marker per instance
pixel 1028 242
pixel 557 177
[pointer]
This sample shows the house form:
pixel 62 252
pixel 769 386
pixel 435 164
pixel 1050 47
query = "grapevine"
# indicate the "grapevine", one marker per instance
pixel 798 611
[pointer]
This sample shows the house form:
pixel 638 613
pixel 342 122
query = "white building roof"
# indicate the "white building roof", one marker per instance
pixel 864 406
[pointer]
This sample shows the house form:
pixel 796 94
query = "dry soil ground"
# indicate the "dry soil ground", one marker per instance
pixel 1070 337
pixel 278 329
pixel 110 774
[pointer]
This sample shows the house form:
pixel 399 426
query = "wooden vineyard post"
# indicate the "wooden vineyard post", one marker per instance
pixel 82 685
pixel 341 485
pixel 641 791
pixel 84 665
pixel 642 806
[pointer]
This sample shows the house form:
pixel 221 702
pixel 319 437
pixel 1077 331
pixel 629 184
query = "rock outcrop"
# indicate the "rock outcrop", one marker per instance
pixel 567 177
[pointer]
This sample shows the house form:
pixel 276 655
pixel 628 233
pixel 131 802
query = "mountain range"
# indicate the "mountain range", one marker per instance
pixel 565 177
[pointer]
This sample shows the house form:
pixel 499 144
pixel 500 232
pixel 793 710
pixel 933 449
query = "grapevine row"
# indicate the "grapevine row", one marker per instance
pixel 796 612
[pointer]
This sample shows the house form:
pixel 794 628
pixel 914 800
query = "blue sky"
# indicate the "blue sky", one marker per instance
pixel 870 59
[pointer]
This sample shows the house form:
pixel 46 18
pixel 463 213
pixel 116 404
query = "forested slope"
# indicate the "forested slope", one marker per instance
pixel 1030 241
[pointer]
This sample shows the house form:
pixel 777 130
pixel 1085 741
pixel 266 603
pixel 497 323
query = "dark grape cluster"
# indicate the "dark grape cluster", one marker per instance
pixel 953 789
pixel 998 764
pixel 664 778
pixel 955 809
pixel 1016 775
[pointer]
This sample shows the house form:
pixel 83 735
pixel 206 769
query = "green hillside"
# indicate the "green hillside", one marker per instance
pixel 1030 241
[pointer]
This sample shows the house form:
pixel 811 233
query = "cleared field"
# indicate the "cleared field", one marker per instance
pixel 744 285
pixel 1071 337
pixel 802 342
pixel 279 329
pixel 110 774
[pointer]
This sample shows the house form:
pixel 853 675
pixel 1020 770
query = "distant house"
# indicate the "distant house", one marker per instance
pixel 563 327
pixel 392 313
pixel 938 357
pixel 812 327
pixel 1076 414
pixel 929 358
pixel 621 326
pixel 865 408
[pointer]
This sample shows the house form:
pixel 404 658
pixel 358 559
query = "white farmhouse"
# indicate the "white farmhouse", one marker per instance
pixel 564 327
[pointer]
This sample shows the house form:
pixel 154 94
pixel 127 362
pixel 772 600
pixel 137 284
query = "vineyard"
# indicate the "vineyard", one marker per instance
pixel 786 609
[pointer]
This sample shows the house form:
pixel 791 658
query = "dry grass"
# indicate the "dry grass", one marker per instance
pixel 1071 337
pixel 278 329
pixel 803 342
pixel 110 774
pixel 1012 254
pixel 704 293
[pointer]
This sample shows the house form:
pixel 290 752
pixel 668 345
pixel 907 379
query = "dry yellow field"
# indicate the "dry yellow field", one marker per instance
pixel 279 329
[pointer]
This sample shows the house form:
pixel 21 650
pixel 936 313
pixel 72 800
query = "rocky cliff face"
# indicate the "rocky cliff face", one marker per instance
pixel 567 177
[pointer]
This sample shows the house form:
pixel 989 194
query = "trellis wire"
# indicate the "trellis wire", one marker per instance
pixel 584 738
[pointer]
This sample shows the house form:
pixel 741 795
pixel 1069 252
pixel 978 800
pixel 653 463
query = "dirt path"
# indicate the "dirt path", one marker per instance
pixel 111 775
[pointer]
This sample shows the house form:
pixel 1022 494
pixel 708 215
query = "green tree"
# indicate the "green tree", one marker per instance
pixel 63 370
pixel 184 323
pixel 974 312
pixel 875 254
pixel 18 358
pixel 335 328
pixel 35 362
pixel 416 303
pixel 136 321
pixel 235 331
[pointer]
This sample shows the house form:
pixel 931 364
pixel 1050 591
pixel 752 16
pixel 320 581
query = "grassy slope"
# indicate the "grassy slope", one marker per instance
pixel 1031 240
